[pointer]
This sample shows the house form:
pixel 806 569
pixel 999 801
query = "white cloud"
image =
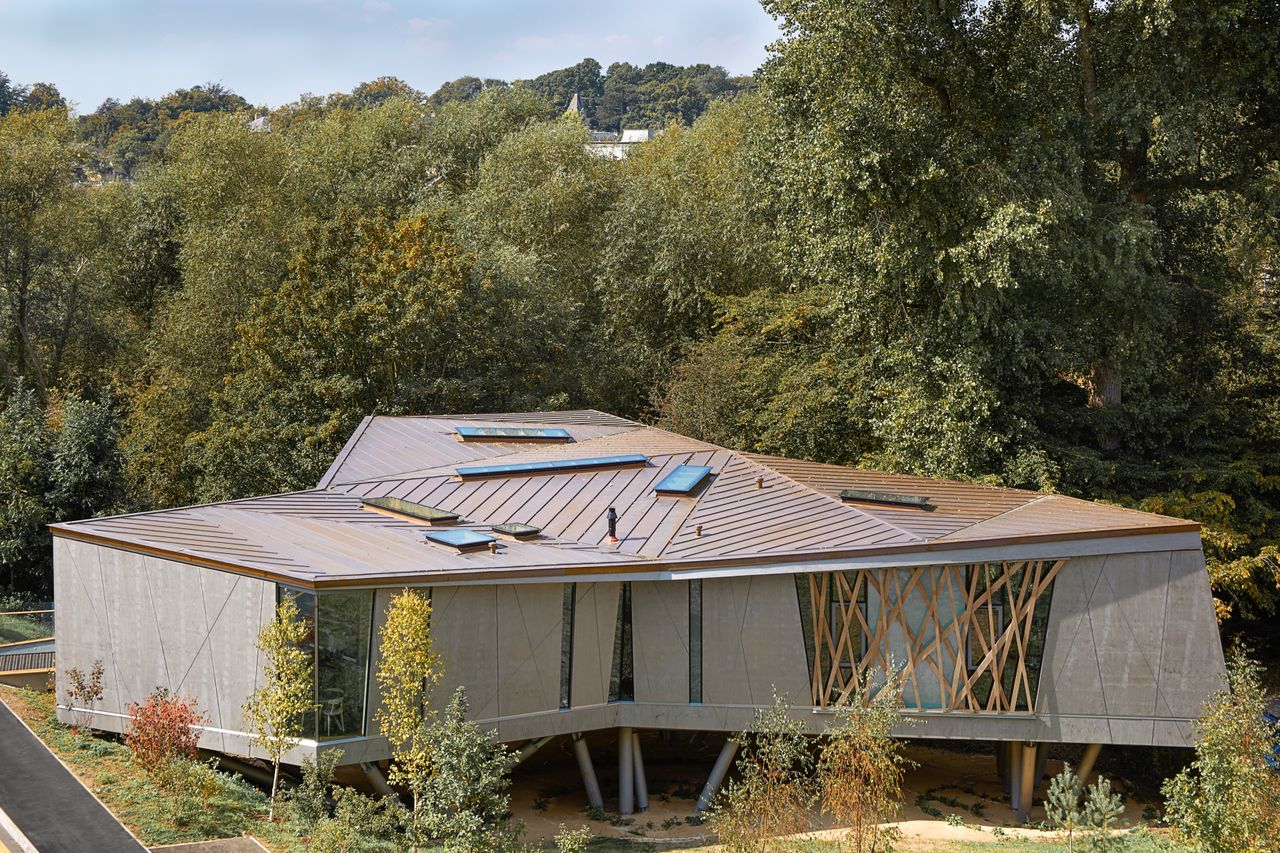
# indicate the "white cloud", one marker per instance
pixel 381 6
pixel 422 25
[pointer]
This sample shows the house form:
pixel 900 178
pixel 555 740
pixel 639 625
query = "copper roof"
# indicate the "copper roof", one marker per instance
pixel 755 509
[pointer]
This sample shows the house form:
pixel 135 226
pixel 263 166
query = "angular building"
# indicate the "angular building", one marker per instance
pixel 589 573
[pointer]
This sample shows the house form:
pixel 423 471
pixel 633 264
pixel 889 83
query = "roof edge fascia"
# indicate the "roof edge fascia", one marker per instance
pixel 1043 546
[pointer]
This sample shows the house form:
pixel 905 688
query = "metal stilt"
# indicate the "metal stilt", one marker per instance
pixel 1087 761
pixel 1026 782
pixel 588 770
pixel 626 772
pixel 723 760
pixel 642 786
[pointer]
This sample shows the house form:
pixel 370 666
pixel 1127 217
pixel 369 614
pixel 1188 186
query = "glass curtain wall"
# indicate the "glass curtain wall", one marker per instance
pixel 340 634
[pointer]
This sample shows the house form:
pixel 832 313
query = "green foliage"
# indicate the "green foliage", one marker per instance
pixel 1019 246
pixel 1062 804
pixel 367 316
pixel 1102 811
pixel 1227 799
pixel 1029 244
pixel 572 840
pixel 127 136
pixel 309 800
pixel 275 712
pixel 58 461
pixel 633 96
pixel 861 766
pixel 408 671
pixel 465 805
pixel 359 824
pixel 774 792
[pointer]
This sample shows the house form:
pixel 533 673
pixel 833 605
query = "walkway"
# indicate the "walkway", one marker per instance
pixel 47 803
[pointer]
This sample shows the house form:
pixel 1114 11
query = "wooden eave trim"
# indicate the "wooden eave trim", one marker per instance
pixel 622 567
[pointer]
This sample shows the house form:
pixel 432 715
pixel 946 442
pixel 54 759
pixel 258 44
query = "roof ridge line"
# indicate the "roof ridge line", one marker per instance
pixel 915 537
pixel 947 480
pixel 1039 498
pixel 438 470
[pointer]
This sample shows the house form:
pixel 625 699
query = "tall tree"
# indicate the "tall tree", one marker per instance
pixel 408 671
pixel 276 711
pixel 1028 241
pixel 37 154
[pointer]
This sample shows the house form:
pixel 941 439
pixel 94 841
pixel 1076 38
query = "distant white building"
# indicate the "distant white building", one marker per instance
pixel 604 143
pixel 616 145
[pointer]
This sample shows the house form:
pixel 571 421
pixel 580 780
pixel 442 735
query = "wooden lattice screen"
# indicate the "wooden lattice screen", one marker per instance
pixel 978 653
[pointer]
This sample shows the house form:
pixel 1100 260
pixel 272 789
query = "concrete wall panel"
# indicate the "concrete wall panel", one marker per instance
pixel 529 622
pixel 595 617
pixel 660 622
pixel 157 623
pixel 1190 658
pixel 464 626
pixel 752 642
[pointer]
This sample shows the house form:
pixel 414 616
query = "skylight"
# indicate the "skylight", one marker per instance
pixel 890 498
pixel 683 480
pixel 472 433
pixel 462 539
pixel 550 465
pixel 422 512
pixel 516 530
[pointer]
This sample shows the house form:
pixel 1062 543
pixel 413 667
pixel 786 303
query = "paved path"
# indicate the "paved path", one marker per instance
pixel 47 803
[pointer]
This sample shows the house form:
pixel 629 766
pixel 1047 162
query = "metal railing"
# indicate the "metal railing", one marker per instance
pixel 20 626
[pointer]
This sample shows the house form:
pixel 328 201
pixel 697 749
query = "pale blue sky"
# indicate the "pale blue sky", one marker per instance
pixel 271 51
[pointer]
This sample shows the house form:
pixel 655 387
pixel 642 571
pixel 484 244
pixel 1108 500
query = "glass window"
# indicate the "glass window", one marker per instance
pixel 622 682
pixel 985 629
pixel 695 641
pixel 566 644
pixel 344 622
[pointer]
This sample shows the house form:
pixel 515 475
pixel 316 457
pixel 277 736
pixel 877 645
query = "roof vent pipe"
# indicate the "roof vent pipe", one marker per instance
pixel 612 517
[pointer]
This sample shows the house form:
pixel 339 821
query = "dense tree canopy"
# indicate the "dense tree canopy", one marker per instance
pixel 1024 243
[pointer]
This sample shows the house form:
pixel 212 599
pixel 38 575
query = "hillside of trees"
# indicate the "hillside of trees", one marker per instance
pixel 1028 245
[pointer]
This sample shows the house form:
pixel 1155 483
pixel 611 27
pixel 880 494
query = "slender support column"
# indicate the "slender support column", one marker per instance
pixel 718 771
pixel 1087 761
pixel 626 772
pixel 588 771
pixel 531 747
pixel 642 786
pixel 1002 764
pixel 1011 787
pixel 1026 782
pixel 1042 759
pixel 376 779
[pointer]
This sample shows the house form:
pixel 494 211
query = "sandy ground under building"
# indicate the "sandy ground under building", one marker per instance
pixel 951 794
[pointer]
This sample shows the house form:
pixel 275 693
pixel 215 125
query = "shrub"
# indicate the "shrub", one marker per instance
pixel 309 801
pixel 163 737
pixel 359 824
pixel 861 766
pixel 1102 808
pixel 275 711
pixel 572 840
pixel 83 692
pixel 1228 799
pixel 775 792
pixel 465 804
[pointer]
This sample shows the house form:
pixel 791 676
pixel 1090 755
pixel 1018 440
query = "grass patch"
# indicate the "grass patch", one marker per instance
pixel 229 805
pixel 16 629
